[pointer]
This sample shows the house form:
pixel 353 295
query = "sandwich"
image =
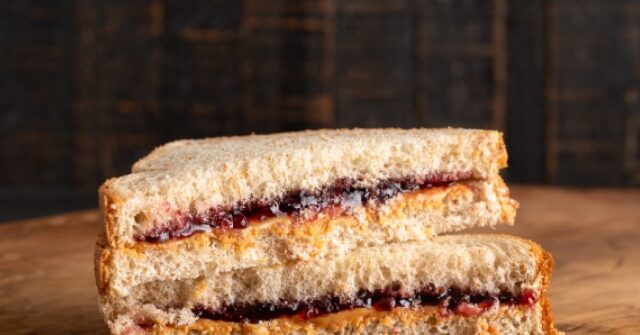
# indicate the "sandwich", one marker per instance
pixel 215 236
pixel 234 202
pixel 457 284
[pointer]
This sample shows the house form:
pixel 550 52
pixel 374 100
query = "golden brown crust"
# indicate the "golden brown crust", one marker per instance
pixel 547 317
pixel 108 203
pixel 96 267
pixel 502 155
pixel 102 267
pixel 545 268
pixel 545 265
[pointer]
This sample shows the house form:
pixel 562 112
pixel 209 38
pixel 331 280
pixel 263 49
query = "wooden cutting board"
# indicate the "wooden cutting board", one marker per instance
pixel 47 286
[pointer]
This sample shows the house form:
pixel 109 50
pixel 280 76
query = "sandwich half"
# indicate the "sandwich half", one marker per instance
pixel 222 204
pixel 458 284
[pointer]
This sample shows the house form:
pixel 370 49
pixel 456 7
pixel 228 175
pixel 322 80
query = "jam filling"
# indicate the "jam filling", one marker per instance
pixel 450 301
pixel 335 199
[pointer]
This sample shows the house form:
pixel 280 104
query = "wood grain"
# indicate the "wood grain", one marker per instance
pixel 46 276
pixel 47 286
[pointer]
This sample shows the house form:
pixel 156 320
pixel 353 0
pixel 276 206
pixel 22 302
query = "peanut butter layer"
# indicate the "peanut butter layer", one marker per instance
pixel 358 319
pixel 312 228
pixel 450 300
pixel 336 199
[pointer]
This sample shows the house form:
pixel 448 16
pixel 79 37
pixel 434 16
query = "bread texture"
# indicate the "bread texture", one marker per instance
pixel 409 217
pixel 479 263
pixel 196 233
pixel 192 176
pixel 505 320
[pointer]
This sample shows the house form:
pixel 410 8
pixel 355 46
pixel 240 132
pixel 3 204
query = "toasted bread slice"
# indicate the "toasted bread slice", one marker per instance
pixel 192 177
pixel 409 217
pixel 486 267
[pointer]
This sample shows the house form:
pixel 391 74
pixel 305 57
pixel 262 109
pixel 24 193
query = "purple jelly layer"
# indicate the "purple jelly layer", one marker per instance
pixel 450 301
pixel 337 198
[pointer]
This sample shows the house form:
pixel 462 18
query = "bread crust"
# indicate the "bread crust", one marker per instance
pixel 109 203
pixel 545 261
pixel 102 267
pixel 547 317
pixel 195 175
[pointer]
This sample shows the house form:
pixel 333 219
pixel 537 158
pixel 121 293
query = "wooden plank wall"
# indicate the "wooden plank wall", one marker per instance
pixel 88 86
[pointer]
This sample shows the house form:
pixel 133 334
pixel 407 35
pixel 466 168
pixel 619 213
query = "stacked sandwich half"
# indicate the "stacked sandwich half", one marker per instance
pixel 319 232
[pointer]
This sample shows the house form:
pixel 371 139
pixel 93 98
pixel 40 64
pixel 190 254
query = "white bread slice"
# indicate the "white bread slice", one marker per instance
pixel 409 217
pixel 479 263
pixel 192 176
pixel 506 320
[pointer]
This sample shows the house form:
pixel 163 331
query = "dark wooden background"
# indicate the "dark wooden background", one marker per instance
pixel 88 86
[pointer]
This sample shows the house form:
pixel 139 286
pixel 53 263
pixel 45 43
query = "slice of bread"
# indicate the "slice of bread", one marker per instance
pixel 193 176
pixel 409 217
pixel 514 320
pixel 492 264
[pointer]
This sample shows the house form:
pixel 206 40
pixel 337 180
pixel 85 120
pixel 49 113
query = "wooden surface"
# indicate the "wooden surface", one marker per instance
pixel 47 287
